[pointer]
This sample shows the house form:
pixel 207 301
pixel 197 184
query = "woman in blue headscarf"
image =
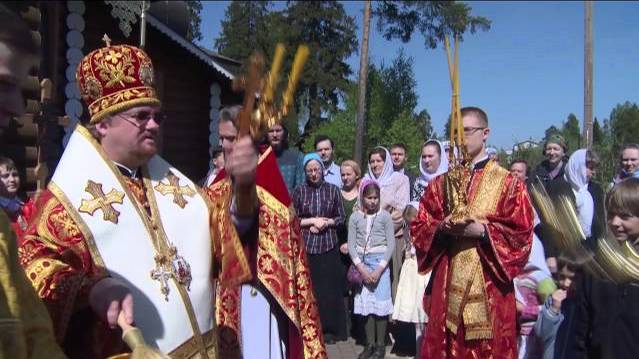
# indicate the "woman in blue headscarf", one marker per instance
pixel 319 206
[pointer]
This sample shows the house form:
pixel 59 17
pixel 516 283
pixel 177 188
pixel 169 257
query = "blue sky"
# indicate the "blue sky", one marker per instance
pixel 526 71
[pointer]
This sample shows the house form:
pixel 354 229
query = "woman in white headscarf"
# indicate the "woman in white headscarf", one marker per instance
pixel 394 196
pixel 433 162
pixel 576 174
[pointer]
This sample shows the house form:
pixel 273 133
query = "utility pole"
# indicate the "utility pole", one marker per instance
pixel 361 98
pixel 587 130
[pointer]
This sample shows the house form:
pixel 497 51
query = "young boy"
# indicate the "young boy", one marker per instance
pixel 556 308
pixel 606 318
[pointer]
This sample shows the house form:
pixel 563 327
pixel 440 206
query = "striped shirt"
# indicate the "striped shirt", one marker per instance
pixel 324 200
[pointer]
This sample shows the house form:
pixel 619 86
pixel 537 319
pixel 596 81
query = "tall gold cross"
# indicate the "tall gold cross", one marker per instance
pixel 175 189
pixel 101 201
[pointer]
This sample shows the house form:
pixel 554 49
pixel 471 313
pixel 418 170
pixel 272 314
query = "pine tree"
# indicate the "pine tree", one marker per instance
pixel 330 34
pixel 572 134
pixel 244 29
pixel 433 19
pixel 195 8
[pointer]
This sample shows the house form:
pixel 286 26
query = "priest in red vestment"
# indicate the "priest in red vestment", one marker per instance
pixel 470 300
pixel 265 306
pixel 120 234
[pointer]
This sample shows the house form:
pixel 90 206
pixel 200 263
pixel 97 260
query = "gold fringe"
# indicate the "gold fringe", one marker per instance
pixel 123 106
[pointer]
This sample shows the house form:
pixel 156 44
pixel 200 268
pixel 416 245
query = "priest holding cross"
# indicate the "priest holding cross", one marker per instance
pixel 108 245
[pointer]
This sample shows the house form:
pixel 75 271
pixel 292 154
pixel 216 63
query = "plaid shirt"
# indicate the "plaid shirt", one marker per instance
pixel 324 200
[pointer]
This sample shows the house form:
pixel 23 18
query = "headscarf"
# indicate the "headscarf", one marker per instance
pixel 575 175
pixel 558 139
pixel 426 177
pixel 386 177
pixel 365 182
pixel 313 156
pixel 414 204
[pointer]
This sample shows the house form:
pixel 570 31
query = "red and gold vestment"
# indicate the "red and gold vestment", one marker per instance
pixel 276 260
pixel 471 308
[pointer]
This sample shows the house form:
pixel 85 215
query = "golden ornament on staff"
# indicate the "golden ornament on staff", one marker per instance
pixel 460 168
pixel 257 121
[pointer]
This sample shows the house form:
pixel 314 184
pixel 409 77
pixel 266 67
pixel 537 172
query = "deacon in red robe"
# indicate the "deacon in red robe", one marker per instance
pixel 470 300
pixel 265 306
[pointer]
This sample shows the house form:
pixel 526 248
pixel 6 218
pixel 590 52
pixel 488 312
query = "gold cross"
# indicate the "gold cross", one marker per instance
pixel 175 189
pixel 101 201
pixel 107 40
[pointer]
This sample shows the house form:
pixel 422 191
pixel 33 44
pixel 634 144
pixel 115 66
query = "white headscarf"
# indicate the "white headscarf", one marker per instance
pixel 388 173
pixel 575 175
pixel 426 177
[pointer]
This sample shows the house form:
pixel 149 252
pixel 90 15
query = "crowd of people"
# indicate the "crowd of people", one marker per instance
pixel 372 231
pixel 305 251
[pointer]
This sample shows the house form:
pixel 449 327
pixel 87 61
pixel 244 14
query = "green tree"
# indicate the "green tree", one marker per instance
pixel 195 8
pixel 330 34
pixel 340 127
pixel 532 155
pixel 571 133
pixel 624 124
pixel 409 130
pixel 392 114
pixel 245 28
pixel 598 135
pixel 433 19
pixel 552 130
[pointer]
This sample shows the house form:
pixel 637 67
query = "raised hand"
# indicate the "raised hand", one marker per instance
pixel 242 162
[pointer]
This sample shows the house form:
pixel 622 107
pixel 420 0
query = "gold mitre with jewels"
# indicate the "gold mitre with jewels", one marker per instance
pixel 115 78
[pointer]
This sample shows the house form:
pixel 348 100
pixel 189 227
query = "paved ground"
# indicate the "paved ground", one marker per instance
pixel 348 350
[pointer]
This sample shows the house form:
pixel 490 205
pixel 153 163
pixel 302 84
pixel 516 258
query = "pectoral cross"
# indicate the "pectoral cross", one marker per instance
pixel 101 201
pixel 175 189
pixel 162 275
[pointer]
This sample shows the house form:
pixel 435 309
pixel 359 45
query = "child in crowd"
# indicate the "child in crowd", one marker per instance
pixel 410 291
pixel 532 287
pixel 556 309
pixel 12 205
pixel 606 318
pixel 371 242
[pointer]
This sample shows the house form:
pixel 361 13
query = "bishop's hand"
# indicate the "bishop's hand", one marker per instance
pixel 108 297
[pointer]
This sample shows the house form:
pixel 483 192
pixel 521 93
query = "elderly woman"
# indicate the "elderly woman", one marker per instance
pixel 555 152
pixel 319 207
pixel 395 195
pixel 433 163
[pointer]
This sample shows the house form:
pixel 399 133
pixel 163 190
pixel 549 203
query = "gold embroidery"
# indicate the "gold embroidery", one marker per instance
pixel 116 67
pixel 467 300
pixel 86 232
pixel 64 224
pixel 122 100
pixel 154 230
pixel 161 242
pixel 175 189
pixel 101 201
